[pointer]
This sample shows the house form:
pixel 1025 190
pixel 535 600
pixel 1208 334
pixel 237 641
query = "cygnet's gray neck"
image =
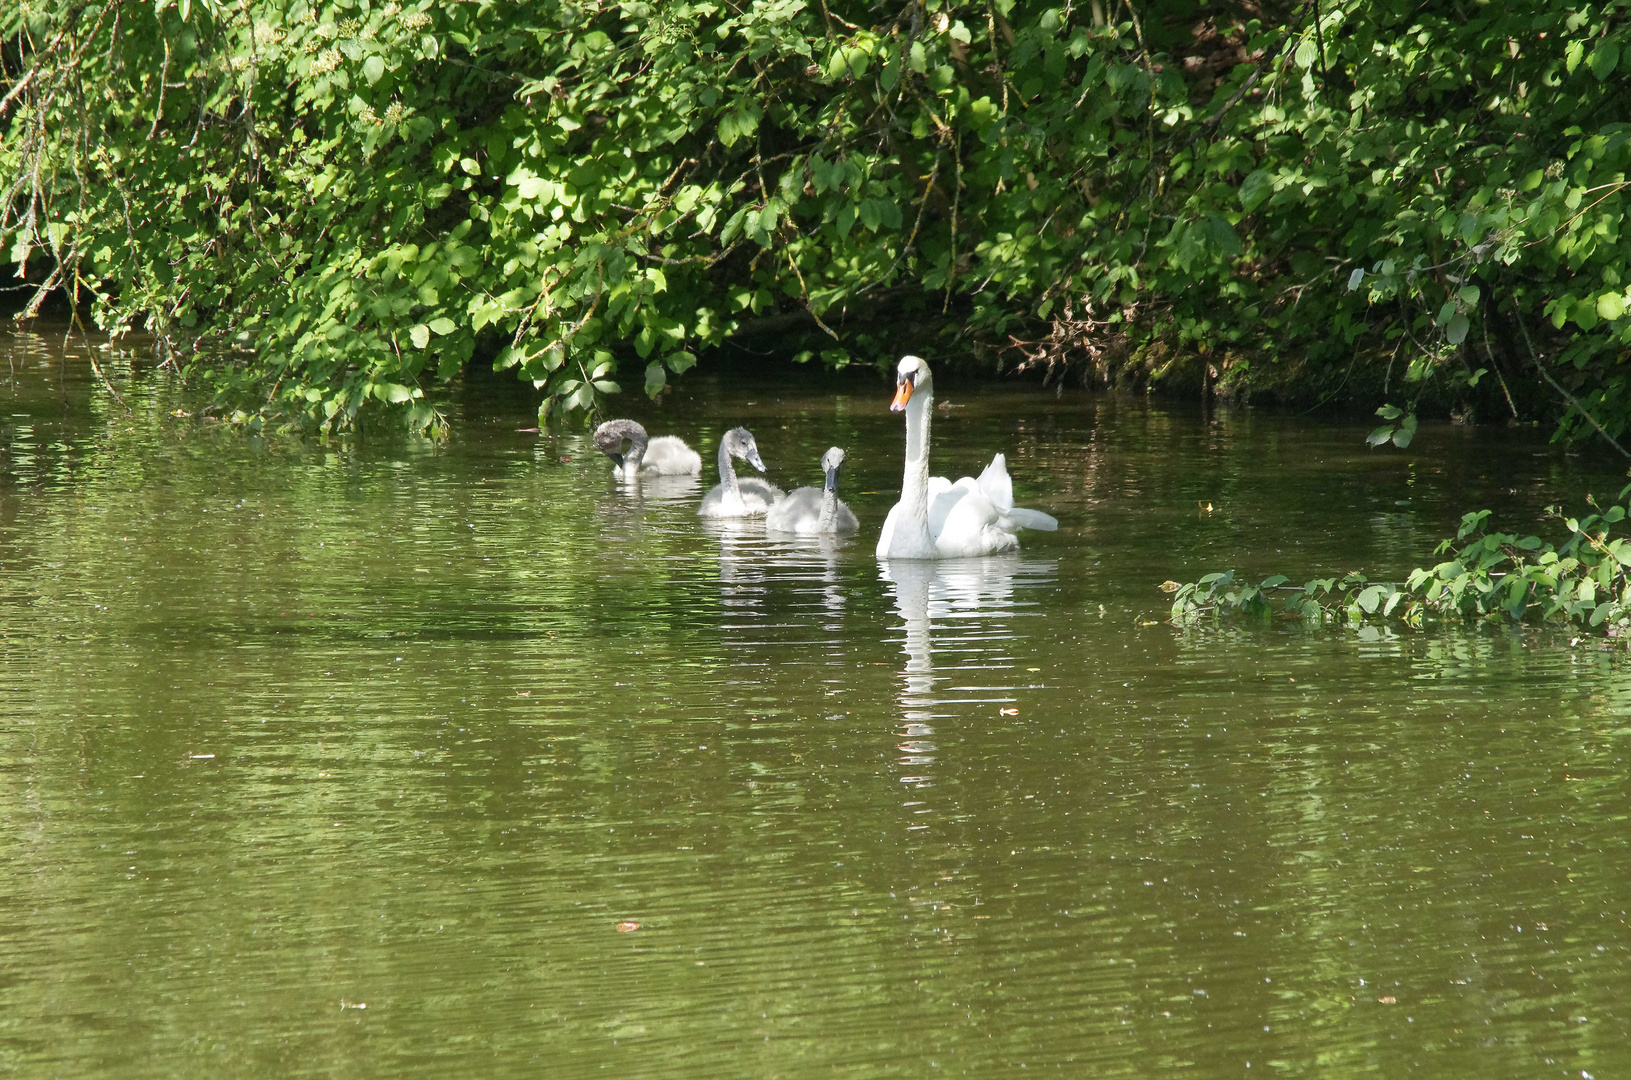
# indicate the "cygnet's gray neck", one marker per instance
pixel 727 472
pixel 637 451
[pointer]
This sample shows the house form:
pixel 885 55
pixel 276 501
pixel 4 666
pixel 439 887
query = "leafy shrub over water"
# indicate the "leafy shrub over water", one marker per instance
pixel 1492 575
pixel 326 205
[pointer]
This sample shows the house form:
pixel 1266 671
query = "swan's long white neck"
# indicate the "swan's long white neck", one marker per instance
pixel 914 486
pixel 727 472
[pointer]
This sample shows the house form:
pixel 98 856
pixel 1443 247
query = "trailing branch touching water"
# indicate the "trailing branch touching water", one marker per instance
pixel 1584 580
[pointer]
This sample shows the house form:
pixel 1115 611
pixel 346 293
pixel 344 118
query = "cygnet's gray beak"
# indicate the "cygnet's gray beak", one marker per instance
pixel 832 479
pixel 754 459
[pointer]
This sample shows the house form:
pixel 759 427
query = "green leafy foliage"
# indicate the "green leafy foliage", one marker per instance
pixel 315 204
pixel 1584 580
pixel 1399 429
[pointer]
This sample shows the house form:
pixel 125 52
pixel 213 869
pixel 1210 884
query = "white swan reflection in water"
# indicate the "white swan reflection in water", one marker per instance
pixel 958 627
pixel 639 507
pixel 799 573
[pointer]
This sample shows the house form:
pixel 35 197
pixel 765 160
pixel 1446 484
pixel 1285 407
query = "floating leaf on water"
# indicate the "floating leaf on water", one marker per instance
pixel 627 926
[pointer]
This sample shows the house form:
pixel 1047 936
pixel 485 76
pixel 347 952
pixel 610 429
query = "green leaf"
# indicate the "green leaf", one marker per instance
pixel 1355 278
pixel 372 69
pixel 738 124
pixel 1611 306
pixel 656 378
pixel 1255 191
pixel 1602 62
pixel 443 325
pixel 420 336
pixel 395 393
pixel 1456 332
pixel 1222 235
pixel 1306 53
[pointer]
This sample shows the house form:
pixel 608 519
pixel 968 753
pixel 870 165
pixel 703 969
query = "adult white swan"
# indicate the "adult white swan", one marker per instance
pixel 935 518
pixel 666 455
pixel 815 511
pixel 733 498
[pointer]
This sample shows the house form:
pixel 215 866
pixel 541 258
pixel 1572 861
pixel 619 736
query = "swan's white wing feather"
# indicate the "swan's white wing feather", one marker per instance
pixel 1031 519
pixel 970 525
pixel 996 485
pixel 943 495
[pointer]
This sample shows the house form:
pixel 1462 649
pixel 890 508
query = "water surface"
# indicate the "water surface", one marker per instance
pixel 351 758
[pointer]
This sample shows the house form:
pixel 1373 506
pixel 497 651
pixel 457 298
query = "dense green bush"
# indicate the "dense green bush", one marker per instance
pixel 321 205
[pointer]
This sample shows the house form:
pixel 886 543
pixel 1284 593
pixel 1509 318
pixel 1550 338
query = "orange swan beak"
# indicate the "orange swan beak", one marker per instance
pixel 903 393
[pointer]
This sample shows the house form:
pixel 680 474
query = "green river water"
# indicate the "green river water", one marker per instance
pixel 351 759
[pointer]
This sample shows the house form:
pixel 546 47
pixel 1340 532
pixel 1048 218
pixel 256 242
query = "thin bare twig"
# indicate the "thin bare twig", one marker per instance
pixel 1570 398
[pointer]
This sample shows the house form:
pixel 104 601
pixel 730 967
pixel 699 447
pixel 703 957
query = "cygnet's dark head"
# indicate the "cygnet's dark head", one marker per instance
pixel 831 462
pixel 912 374
pixel 610 436
pixel 738 442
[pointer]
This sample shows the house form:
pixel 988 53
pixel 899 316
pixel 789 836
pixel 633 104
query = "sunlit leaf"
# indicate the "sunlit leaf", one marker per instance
pixel 1602 62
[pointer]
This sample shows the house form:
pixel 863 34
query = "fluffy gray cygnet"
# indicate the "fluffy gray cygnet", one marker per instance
pixel 666 455
pixel 733 498
pixel 815 511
